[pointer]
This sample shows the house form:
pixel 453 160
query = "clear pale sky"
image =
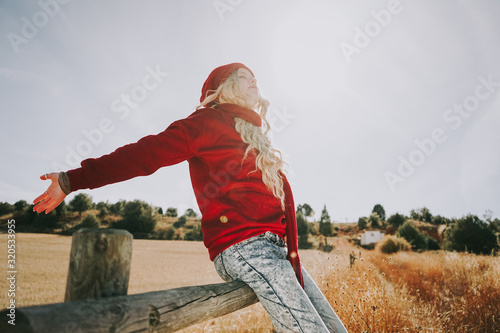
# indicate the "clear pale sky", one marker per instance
pixel 390 102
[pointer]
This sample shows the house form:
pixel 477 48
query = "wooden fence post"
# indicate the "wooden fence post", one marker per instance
pixel 99 265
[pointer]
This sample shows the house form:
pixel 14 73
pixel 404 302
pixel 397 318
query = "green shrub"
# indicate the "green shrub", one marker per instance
pixel 412 235
pixel 171 211
pixel 190 213
pixel 118 207
pixel 103 211
pixel 374 220
pixel 432 244
pixel 393 244
pixel 470 234
pixel 181 221
pixel 164 234
pixel 80 203
pixel 138 217
pixel 21 206
pixel 362 223
pixel 396 220
pixel 6 208
pixel 90 221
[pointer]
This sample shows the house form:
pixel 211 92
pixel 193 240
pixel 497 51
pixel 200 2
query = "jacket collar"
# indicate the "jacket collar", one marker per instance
pixel 241 112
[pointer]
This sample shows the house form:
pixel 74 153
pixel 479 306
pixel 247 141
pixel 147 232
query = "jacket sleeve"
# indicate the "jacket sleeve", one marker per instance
pixel 137 159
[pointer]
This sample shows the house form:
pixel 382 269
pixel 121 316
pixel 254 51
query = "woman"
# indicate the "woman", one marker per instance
pixel 245 199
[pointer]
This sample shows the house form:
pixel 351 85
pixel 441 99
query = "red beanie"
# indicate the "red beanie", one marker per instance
pixel 218 76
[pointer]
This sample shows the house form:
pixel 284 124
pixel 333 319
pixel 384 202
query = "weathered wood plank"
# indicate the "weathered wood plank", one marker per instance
pixel 99 264
pixel 159 311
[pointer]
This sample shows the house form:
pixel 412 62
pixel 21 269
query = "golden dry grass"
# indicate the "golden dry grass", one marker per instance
pixel 404 292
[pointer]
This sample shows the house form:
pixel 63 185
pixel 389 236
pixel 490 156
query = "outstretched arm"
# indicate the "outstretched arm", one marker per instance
pixel 138 159
pixel 51 198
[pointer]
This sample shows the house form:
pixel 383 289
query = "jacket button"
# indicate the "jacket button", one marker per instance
pixel 283 221
pixel 223 219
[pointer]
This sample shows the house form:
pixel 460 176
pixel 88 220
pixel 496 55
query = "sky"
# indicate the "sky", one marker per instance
pixel 372 102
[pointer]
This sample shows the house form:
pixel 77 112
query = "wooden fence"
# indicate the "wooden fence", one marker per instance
pixel 96 297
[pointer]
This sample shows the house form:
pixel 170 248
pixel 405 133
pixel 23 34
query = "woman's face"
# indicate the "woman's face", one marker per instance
pixel 249 84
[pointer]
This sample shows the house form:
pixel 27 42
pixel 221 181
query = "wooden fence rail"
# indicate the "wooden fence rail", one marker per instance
pixel 92 305
pixel 158 311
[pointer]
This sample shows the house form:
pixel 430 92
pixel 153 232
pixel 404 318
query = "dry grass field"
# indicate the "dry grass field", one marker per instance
pixel 405 292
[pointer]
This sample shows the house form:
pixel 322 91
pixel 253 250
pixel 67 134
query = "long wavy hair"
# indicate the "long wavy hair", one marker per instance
pixel 269 160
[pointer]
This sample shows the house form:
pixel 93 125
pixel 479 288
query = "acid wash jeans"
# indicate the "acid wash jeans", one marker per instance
pixel 261 263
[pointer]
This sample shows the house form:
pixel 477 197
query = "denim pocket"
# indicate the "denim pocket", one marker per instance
pixel 220 269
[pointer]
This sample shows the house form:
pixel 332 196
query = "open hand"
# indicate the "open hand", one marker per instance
pixel 51 198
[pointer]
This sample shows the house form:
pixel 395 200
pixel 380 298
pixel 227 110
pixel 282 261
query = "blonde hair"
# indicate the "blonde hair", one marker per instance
pixel 269 160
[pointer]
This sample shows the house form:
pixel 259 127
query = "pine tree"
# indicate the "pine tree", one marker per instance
pixel 380 211
pixel 325 224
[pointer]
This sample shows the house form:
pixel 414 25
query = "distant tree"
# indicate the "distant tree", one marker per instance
pixel 380 211
pixel 171 211
pixel 421 214
pixel 101 204
pixel 438 219
pixel 396 220
pixel 160 211
pixel 138 217
pixel 303 230
pixel 409 232
pixel 488 215
pixel 21 205
pixel 325 225
pixel 415 215
pixel 374 220
pixel 181 221
pixel 306 210
pixel 103 212
pixel 470 234
pixel 426 214
pixel 81 203
pixel 6 208
pixel 362 223
pixel 190 213
pixel 117 208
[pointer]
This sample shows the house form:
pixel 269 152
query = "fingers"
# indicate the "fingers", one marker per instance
pixel 40 207
pixel 51 207
pixel 41 197
pixel 49 176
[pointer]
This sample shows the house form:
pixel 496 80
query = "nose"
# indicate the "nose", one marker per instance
pixel 253 80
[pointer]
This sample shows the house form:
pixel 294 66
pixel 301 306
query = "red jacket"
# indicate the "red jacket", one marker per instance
pixel 234 202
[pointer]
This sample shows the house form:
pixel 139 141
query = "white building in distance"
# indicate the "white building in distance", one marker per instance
pixel 371 236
